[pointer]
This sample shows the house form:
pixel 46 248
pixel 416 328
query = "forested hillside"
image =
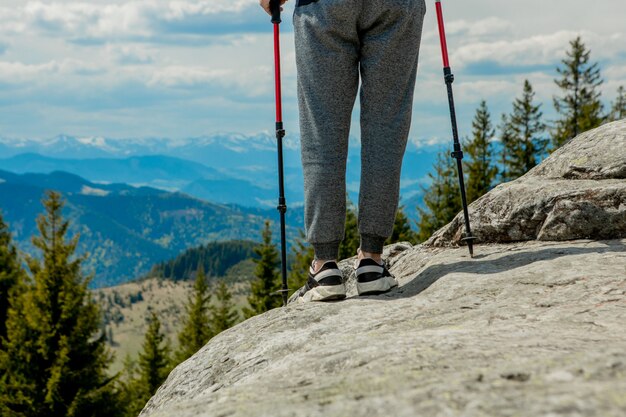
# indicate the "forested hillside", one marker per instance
pixel 125 230
pixel 216 258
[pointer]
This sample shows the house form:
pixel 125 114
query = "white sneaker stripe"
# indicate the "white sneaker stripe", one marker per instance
pixel 369 268
pixel 327 273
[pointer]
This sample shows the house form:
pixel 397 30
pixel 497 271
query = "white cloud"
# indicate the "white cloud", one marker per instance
pixel 541 49
pixel 18 72
pixel 11 20
pixel 180 76
pixel 140 19
pixel 130 54
pixel 489 26
pixel 248 81
pixel 206 65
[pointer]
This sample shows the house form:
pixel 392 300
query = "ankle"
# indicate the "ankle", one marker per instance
pixel 378 257
pixel 319 263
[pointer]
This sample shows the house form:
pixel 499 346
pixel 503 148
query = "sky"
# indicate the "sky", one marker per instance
pixel 185 68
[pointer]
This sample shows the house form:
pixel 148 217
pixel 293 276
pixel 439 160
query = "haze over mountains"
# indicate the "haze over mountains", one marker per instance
pixel 224 168
pixel 137 202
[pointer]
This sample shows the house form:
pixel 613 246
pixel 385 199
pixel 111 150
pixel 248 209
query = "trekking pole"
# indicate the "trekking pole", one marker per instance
pixel 280 133
pixel 458 153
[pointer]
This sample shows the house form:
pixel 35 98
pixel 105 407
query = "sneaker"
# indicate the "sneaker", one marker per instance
pixel 373 278
pixel 323 285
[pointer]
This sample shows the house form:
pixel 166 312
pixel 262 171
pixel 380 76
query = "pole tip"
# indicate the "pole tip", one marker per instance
pixel 470 244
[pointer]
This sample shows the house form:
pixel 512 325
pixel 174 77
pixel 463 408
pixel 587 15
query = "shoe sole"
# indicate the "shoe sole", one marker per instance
pixel 324 293
pixel 379 286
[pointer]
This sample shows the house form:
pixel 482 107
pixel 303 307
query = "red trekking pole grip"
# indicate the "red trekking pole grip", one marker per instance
pixel 442 35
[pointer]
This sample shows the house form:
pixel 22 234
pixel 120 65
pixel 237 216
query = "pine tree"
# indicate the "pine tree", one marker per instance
pixel 442 198
pixel 131 392
pixel 224 315
pixel 196 331
pixel 263 289
pixel 479 166
pixel 507 139
pixel 141 378
pixel 11 276
pixel 618 110
pixel 402 231
pixel 351 240
pixel 55 356
pixel 154 362
pixel 302 257
pixel 527 145
pixel 579 106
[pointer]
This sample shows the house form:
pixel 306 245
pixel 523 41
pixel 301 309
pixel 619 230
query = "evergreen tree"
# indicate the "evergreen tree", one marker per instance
pixel 55 356
pixel 131 392
pixel 618 110
pixel 479 166
pixel 224 315
pixel 527 145
pixel 302 257
pixel 351 240
pixel 402 231
pixel 442 198
pixel 507 139
pixel 196 330
pixel 153 366
pixel 579 106
pixel 11 276
pixel 263 296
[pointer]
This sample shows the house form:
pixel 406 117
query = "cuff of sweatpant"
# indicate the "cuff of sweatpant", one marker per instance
pixel 372 243
pixel 326 251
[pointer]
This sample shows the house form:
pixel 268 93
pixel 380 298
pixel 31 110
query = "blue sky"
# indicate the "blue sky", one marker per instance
pixel 185 68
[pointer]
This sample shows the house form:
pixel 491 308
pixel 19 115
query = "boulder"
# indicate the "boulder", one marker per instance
pixel 579 192
pixel 533 325
pixel 524 329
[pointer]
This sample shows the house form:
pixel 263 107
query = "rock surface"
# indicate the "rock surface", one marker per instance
pixel 579 192
pixel 535 328
pixel 525 329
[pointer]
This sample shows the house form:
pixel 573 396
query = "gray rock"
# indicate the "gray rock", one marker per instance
pixel 532 328
pixel 578 192
pixel 598 154
pixel 524 329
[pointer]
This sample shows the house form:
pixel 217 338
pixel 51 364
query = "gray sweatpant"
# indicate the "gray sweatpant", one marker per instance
pixel 335 40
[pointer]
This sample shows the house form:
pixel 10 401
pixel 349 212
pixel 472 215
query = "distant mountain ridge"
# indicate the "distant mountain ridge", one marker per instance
pixel 157 171
pixel 67 146
pixel 130 170
pixel 126 230
pixel 242 169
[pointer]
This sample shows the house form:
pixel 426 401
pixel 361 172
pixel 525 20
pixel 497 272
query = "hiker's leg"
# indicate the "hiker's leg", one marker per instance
pixel 327 61
pixel 390 35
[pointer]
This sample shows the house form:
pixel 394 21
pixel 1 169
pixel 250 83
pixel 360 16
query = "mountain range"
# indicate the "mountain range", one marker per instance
pixel 224 168
pixel 125 229
pixel 137 202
